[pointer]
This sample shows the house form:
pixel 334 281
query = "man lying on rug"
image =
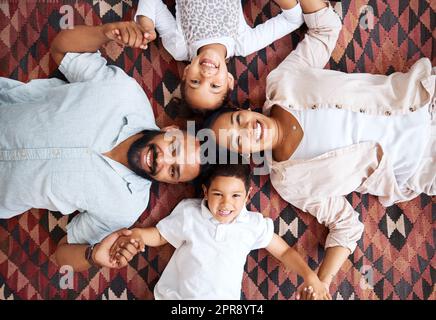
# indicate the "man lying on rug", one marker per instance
pixel 330 133
pixel 90 145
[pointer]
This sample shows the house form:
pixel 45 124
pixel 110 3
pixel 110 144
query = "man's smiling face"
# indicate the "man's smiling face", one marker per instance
pixel 172 156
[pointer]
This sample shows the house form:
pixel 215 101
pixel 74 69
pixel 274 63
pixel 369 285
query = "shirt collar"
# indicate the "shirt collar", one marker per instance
pixel 134 182
pixel 205 212
pixel 133 124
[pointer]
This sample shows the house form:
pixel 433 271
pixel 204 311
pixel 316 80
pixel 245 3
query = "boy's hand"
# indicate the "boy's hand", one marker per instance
pixel 127 33
pixel 147 24
pixel 101 253
pixel 313 289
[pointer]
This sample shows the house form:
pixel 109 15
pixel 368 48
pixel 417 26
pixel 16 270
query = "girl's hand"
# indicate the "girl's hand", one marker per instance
pixel 148 26
pixel 127 33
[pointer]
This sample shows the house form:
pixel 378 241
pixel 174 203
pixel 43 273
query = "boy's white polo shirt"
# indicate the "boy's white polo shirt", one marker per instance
pixel 209 259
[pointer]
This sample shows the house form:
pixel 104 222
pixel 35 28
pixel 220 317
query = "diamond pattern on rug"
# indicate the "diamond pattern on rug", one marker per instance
pixel 395 259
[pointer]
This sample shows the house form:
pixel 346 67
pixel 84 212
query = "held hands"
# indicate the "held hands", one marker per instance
pixel 147 24
pixel 129 33
pixel 313 289
pixel 126 247
pixel 101 253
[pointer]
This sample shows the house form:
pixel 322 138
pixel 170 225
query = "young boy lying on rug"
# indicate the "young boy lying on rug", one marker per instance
pixel 212 238
pixel 207 33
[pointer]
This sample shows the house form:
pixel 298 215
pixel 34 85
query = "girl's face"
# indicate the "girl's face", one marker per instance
pixel 207 81
pixel 244 131
pixel 226 197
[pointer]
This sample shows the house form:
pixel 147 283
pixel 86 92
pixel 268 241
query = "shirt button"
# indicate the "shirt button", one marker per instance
pixel 56 152
pixel 412 109
pixel 23 154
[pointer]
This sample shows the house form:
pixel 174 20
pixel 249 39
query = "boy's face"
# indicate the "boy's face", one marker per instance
pixel 226 197
pixel 207 81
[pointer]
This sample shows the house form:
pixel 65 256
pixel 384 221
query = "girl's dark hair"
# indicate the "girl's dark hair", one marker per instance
pixel 240 171
pixel 224 102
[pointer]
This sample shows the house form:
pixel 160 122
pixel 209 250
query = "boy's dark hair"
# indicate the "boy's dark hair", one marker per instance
pixel 224 102
pixel 240 171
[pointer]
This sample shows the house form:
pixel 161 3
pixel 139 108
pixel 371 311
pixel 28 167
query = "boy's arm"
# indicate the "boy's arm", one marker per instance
pixel 125 247
pixel 150 237
pixel 253 39
pixel 155 14
pixel 295 263
pixel 90 38
pixel 289 257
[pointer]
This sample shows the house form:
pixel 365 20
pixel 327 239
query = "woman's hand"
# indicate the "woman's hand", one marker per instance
pixel 313 289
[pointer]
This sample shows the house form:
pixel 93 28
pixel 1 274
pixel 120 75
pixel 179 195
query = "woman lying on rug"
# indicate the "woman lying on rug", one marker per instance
pixel 213 238
pixel 207 33
pixel 330 133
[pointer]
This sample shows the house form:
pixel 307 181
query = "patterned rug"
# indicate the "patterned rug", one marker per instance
pixel 395 259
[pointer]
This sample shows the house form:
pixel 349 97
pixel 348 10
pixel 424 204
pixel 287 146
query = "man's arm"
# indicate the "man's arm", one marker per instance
pixel 74 255
pixel 90 38
pixel 253 39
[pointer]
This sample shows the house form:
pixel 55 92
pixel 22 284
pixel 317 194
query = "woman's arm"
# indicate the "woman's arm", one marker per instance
pixel 311 6
pixel 333 260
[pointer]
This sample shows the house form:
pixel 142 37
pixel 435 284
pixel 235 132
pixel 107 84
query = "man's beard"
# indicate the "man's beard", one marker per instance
pixel 134 154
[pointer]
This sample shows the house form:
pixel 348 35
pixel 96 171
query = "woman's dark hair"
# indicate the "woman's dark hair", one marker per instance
pixel 240 171
pixel 210 120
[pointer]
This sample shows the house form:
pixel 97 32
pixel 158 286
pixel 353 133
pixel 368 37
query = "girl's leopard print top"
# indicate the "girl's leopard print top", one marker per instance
pixel 208 19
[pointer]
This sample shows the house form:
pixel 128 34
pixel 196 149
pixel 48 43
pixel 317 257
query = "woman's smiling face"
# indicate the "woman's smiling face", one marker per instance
pixel 244 131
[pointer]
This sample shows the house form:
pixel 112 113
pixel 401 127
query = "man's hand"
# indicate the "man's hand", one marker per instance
pixel 127 33
pixel 126 247
pixel 101 253
pixel 147 24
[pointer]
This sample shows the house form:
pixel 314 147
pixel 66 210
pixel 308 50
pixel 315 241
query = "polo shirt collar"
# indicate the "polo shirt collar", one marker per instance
pixel 206 214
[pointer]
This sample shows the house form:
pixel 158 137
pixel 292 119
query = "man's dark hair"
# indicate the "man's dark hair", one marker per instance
pixel 240 171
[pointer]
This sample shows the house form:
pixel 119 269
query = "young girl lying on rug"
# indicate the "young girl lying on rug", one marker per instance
pixel 207 33
pixel 212 238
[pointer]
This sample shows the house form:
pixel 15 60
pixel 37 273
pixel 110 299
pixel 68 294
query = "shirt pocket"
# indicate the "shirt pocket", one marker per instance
pixel 74 190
